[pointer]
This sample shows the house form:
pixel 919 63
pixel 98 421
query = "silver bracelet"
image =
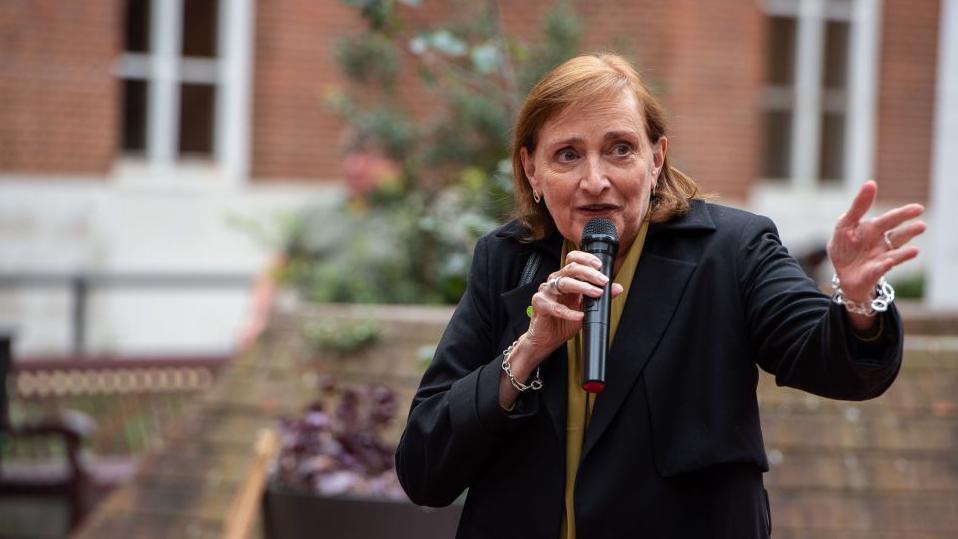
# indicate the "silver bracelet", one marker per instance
pixel 885 294
pixel 534 385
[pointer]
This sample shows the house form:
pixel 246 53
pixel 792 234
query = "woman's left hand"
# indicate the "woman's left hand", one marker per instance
pixel 863 250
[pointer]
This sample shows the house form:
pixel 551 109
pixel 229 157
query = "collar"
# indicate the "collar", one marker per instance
pixel 698 218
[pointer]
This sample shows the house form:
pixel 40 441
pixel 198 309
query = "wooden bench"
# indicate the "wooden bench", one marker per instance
pixel 73 429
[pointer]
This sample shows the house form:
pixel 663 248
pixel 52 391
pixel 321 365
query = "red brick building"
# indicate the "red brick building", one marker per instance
pixel 78 84
pixel 784 106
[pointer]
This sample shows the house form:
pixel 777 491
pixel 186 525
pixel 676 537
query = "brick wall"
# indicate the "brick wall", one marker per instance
pixel 906 98
pixel 294 133
pixel 60 98
pixel 58 95
pixel 850 470
pixel 713 75
pixel 713 105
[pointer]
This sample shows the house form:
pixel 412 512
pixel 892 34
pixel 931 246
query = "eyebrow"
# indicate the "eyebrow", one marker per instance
pixel 571 141
pixel 620 134
pixel 611 135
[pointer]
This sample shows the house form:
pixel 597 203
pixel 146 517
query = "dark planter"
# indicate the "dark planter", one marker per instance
pixel 289 514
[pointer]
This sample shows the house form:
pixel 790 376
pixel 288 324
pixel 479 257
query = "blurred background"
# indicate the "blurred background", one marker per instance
pixel 178 175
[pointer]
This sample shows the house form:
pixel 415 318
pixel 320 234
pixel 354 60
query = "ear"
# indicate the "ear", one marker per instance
pixel 659 150
pixel 529 167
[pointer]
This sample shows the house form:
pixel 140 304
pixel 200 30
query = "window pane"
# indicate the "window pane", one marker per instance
pixel 778 144
pixel 781 53
pixel 832 161
pixel 835 66
pixel 838 9
pixel 137 26
pixel 134 116
pixel 196 119
pixel 199 28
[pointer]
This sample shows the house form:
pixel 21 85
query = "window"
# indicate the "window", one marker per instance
pixel 184 78
pixel 806 104
pixel 779 97
pixel 831 161
pixel 133 87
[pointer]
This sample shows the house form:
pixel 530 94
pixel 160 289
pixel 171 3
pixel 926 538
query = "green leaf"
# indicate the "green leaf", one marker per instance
pixel 447 43
pixel 486 58
pixel 369 58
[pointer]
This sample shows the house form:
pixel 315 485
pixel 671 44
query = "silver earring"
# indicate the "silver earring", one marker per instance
pixel 536 197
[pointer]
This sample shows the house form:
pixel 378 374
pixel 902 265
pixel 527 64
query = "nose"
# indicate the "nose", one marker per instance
pixel 594 180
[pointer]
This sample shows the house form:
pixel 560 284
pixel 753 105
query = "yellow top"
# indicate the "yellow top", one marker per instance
pixel 580 402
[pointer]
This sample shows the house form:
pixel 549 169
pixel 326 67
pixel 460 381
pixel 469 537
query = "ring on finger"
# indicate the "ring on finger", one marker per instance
pixel 554 284
pixel 887 237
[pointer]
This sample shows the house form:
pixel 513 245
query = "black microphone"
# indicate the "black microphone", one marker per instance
pixel 600 238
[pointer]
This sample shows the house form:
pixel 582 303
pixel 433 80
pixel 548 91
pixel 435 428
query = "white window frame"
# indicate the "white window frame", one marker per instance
pixel 941 291
pixel 164 69
pixel 864 18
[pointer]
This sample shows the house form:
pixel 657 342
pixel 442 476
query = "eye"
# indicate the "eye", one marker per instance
pixel 566 155
pixel 622 149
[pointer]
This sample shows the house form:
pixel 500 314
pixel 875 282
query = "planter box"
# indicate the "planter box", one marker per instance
pixel 289 514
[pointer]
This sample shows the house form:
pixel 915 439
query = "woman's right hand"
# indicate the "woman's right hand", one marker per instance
pixel 557 308
pixel 556 316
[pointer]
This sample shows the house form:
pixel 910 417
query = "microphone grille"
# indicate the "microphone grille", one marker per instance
pixel 599 227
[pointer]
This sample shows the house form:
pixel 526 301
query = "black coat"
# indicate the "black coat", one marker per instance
pixel 674 446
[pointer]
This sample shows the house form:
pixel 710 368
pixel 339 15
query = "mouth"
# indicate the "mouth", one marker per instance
pixel 596 210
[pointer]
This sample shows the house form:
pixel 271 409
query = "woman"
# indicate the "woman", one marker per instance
pixel 703 295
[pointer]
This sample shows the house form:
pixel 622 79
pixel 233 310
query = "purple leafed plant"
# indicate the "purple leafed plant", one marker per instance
pixel 336 446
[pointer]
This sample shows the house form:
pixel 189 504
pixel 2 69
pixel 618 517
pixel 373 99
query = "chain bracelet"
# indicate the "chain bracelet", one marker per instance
pixel 534 385
pixel 885 294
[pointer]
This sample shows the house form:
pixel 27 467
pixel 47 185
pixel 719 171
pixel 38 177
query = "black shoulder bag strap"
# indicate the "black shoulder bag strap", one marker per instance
pixel 531 268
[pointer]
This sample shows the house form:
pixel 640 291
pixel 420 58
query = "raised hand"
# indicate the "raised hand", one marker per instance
pixel 863 250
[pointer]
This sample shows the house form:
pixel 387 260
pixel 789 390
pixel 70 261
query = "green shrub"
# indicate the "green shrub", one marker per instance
pixel 343 338
pixel 910 287
pixel 421 189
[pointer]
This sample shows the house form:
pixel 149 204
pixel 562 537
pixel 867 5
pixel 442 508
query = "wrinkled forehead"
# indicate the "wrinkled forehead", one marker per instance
pixel 614 111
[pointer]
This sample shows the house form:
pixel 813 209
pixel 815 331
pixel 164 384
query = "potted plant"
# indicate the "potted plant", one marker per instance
pixel 335 477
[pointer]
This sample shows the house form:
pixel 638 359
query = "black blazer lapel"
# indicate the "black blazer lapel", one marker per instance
pixel 655 292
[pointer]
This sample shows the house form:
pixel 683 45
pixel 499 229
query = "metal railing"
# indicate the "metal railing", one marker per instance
pixel 82 284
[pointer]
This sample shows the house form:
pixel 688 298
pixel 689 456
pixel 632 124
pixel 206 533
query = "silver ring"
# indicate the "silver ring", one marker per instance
pixel 887 237
pixel 554 284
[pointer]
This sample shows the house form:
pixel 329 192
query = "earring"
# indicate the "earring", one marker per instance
pixel 536 197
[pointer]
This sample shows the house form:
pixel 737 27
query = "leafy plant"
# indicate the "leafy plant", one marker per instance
pixel 343 338
pixel 339 449
pixel 421 187
pixel 910 287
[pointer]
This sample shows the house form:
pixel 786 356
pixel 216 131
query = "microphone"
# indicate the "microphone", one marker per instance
pixel 600 238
